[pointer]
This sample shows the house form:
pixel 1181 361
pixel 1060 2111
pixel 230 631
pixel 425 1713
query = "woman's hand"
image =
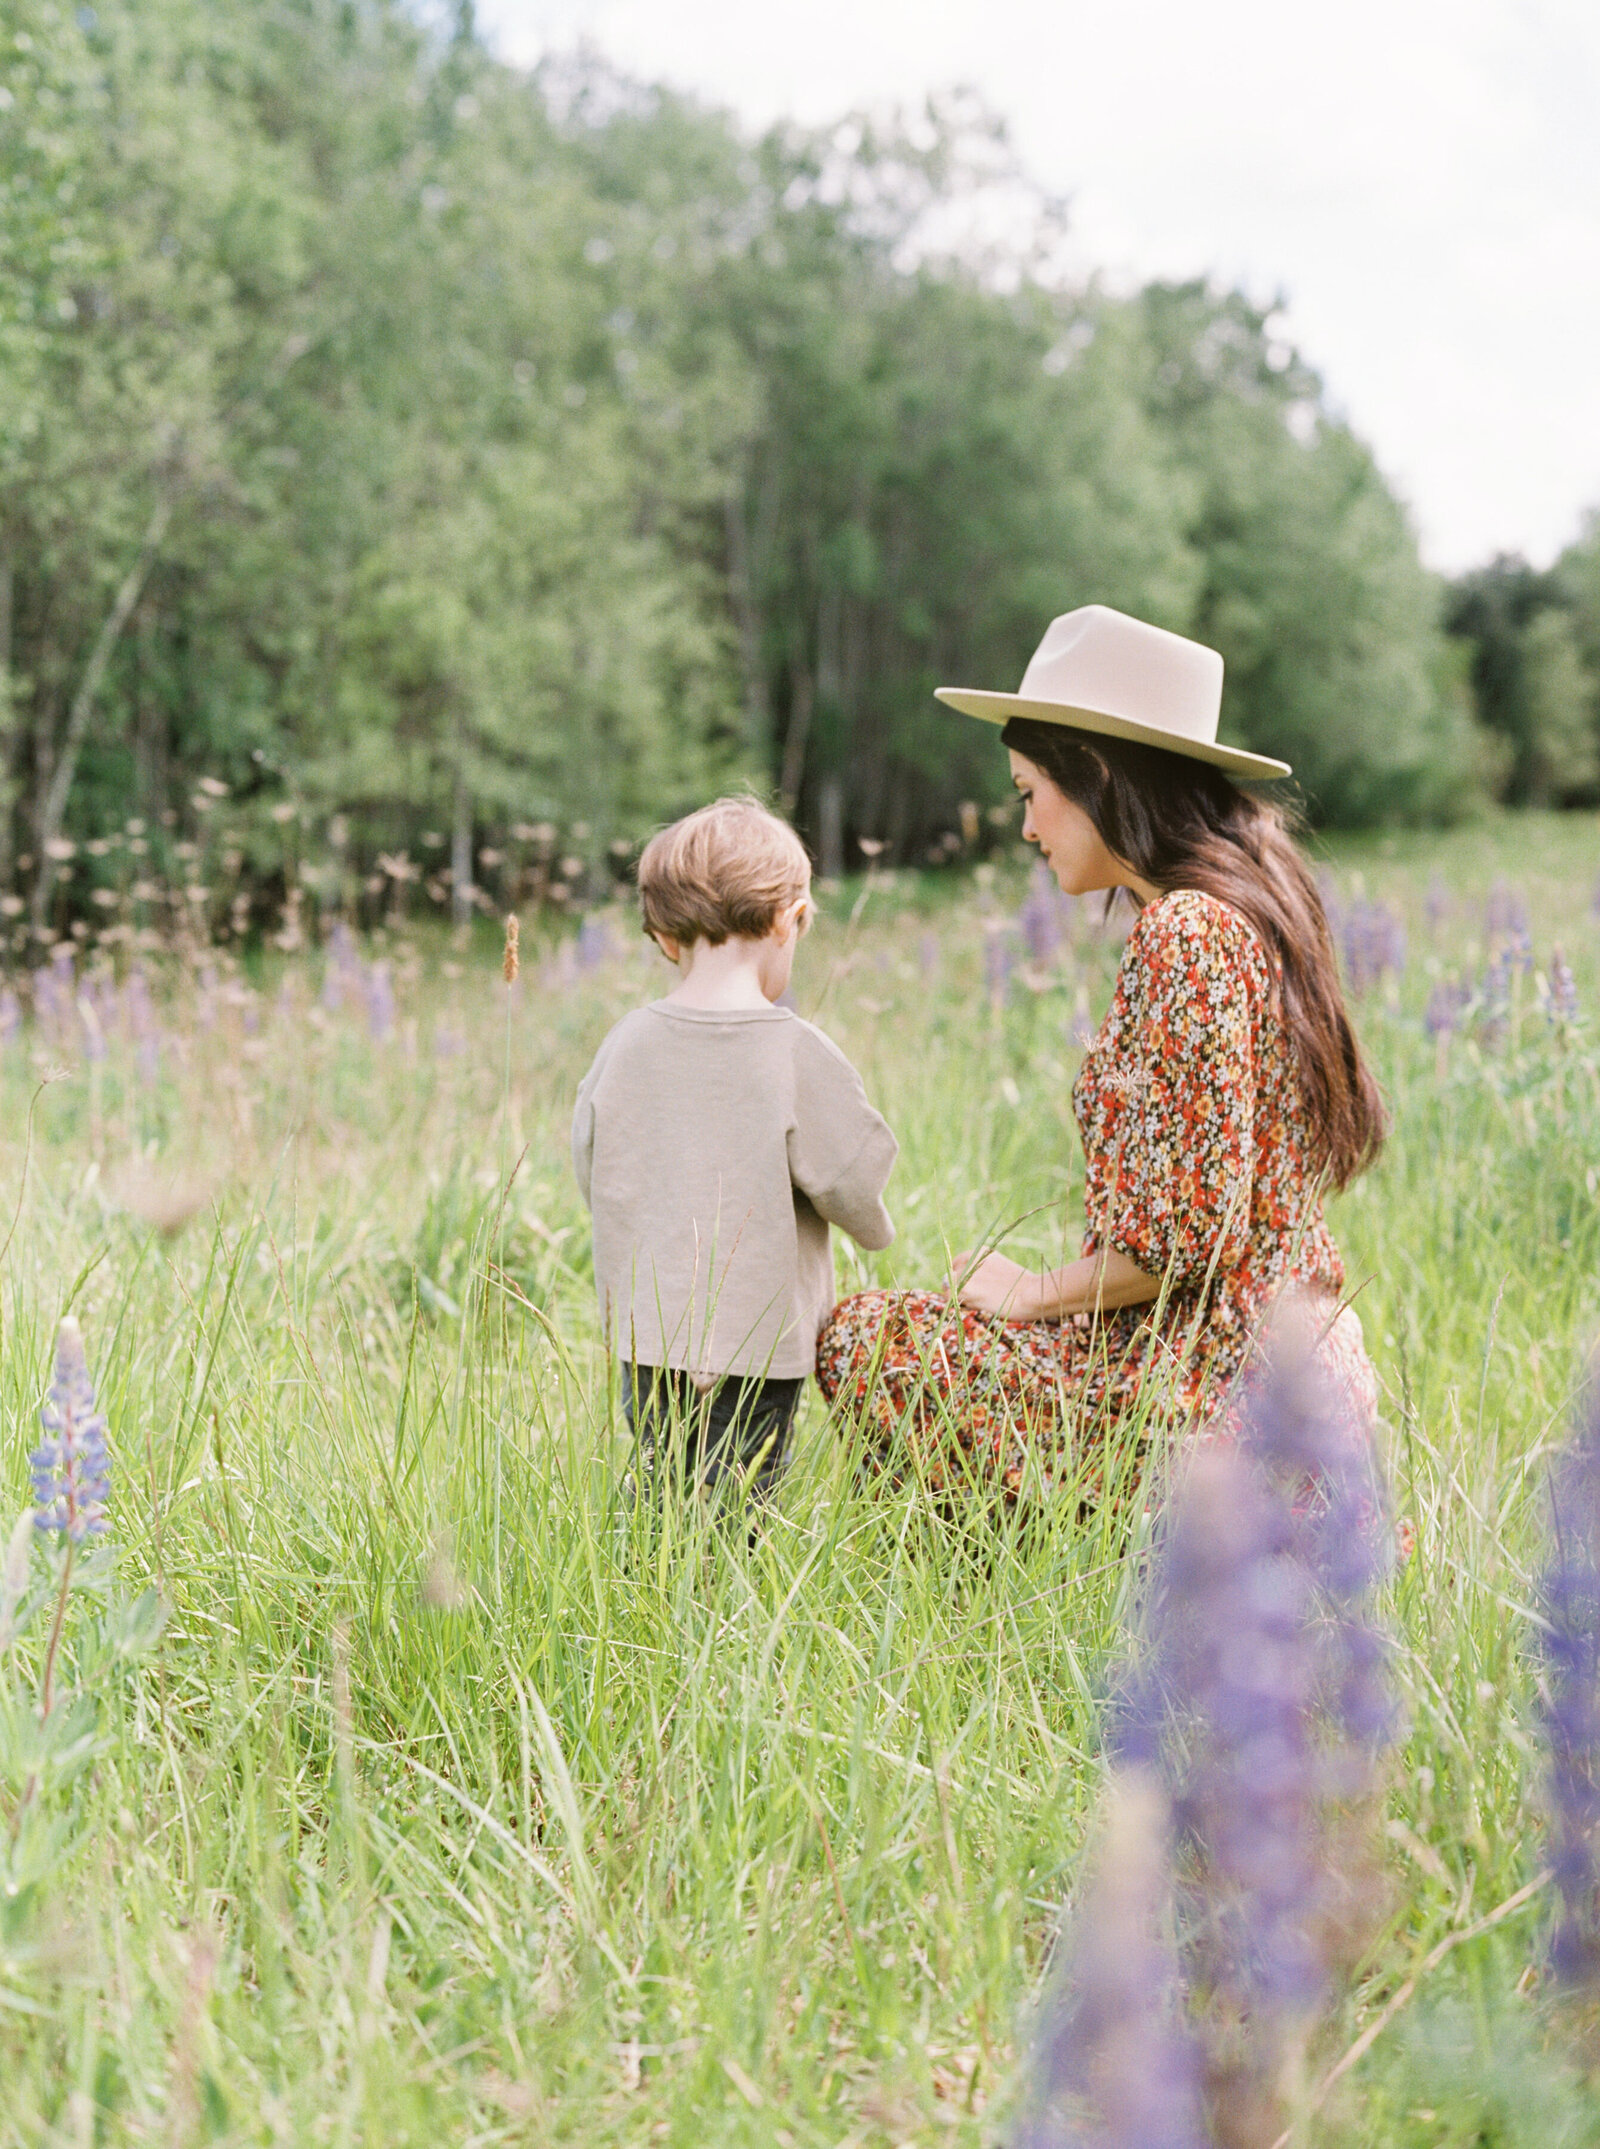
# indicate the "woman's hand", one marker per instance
pixel 991 1284
pixel 1095 1284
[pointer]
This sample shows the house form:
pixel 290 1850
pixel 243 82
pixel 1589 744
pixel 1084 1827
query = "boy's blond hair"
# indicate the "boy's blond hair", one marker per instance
pixel 724 872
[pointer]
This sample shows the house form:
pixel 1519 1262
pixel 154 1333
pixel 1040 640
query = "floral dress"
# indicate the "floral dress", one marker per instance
pixel 1196 1150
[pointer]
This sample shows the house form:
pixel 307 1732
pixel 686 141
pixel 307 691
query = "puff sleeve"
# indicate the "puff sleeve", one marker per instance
pixel 1170 1185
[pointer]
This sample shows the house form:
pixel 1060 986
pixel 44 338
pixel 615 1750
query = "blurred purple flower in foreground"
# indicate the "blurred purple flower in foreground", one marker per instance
pixel 71 1468
pixel 1264 1703
pixel 1570 1699
pixel 1115 2065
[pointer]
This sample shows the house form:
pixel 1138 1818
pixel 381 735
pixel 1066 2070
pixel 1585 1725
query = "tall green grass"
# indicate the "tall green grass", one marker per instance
pixel 456 1805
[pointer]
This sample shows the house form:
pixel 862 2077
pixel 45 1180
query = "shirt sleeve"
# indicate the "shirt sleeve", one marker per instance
pixel 840 1150
pixel 1178 1187
pixel 583 1131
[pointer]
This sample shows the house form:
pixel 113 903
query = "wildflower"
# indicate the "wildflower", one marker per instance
pixel 1570 1699
pixel 594 944
pixel 140 1017
pixel 1113 2061
pixel 1494 1002
pixel 1505 914
pixel 343 971
pixel 10 1018
pixel 511 960
pixel 380 1002
pixel 1267 1700
pixel 1436 905
pixel 1443 1012
pixel 1042 920
pixel 71 1468
pixel 94 1036
pixel 999 961
pixel 1562 988
pixel 1374 943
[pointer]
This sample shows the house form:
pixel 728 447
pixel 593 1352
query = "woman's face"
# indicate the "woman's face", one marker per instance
pixel 1069 843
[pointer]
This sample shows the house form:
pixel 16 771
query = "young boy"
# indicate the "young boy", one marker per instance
pixel 716 1138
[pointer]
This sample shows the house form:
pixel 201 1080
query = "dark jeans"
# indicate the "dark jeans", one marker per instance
pixel 730 1437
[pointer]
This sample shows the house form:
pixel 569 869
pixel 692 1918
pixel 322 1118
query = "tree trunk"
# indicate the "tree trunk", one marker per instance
pixel 802 701
pixel 830 827
pixel 7 714
pixel 741 591
pixel 461 858
pixel 54 802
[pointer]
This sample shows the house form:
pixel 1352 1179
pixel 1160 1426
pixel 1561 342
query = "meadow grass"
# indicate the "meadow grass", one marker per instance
pixel 455 1805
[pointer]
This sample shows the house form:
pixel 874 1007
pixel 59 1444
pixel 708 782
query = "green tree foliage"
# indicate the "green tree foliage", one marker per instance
pixel 387 434
pixel 1312 588
pixel 1534 642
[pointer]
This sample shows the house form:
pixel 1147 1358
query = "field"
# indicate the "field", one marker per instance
pixel 446 1808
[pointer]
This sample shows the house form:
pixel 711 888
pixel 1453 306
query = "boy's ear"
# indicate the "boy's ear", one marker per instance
pixel 669 947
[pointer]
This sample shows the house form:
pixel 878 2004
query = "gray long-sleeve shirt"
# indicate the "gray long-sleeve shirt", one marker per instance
pixel 714 1148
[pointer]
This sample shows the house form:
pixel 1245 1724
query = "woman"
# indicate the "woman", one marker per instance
pixel 1223 1092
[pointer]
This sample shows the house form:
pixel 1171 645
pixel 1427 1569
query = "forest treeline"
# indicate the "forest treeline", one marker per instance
pixel 425 458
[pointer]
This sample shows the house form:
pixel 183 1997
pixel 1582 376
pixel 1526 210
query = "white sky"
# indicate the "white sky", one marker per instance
pixel 1420 177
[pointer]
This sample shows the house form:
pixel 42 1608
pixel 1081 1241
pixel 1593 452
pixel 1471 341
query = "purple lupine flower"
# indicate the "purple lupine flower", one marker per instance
pixel 928 955
pixel 1570 1698
pixel 53 1000
pixel 380 1002
pixel 71 1467
pixel 1267 1693
pixel 1494 1003
pixel 341 977
pixel 93 1030
pixel 10 1019
pixel 1446 1004
pixel 140 1016
pixel 999 961
pixel 1235 1617
pixel 1436 905
pixel 1594 899
pixel 1044 916
pixel 1505 913
pixel 594 945
pixel 1374 944
pixel 1563 987
pixel 1308 1442
pixel 1114 2065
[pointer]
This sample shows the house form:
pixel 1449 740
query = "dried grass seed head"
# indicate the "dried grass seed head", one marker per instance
pixel 725 872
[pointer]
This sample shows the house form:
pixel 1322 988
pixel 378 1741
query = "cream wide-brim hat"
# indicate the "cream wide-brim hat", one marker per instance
pixel 1098 670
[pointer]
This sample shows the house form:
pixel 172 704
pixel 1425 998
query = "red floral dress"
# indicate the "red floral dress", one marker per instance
pixel 1196 1150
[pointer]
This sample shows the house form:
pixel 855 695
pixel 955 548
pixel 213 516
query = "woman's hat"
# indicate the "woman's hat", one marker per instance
pixel 1098 670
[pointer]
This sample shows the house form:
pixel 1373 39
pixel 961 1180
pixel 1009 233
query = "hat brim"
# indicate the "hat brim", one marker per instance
pixel 1000 708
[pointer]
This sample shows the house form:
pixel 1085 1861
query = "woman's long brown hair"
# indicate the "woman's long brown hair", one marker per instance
pixel 1181 824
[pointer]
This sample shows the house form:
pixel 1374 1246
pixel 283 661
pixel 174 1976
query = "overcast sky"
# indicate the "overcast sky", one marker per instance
pixel 1421 177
